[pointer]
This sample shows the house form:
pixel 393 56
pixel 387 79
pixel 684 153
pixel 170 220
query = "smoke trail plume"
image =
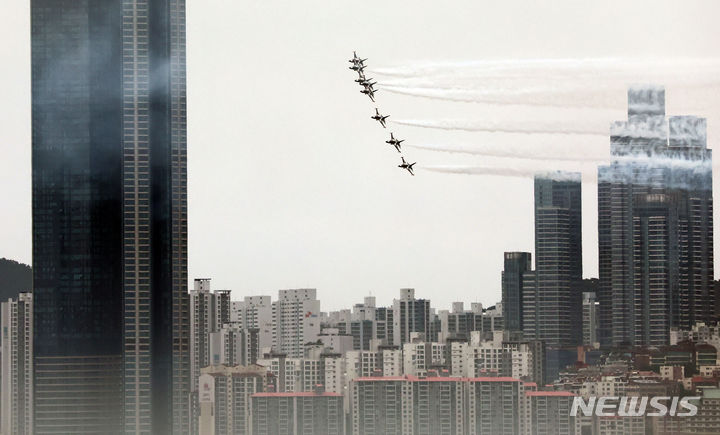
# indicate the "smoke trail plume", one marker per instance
pixel 512 126
pixel 641 169
pixel 528 97
pixel 503 172
pixel 596 68
pixel 548 82
pixel 507 152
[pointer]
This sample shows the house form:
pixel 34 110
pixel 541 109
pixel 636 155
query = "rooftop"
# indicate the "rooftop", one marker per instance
pixel 301 394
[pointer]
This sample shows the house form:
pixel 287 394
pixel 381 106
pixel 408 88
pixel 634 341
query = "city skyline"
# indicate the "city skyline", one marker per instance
pixel 328 237
pixel 555 247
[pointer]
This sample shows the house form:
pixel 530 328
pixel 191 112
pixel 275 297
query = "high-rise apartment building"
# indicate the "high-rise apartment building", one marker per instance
pixel 436 405
pixel 16 365
pixel 551 293
pixel 255 312
pixel 549 413
pixel 309 413
pixel 233 345
pixel 410 315
pixel 109 179
pixel 655 224
pixel 224 398
pixel 209 311
pixel 590 319
pixel 296 320
pixel 368 325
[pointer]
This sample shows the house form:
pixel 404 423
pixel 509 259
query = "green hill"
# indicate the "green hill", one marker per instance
pixel 14 278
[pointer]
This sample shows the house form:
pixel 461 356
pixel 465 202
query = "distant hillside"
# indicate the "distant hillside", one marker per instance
pixel 14 278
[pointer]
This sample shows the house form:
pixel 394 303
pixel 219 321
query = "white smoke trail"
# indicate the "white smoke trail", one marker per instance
pixel 677 173
pixel 507 152
pixel 550 82
pixel 511 126
pixel 551 68
pixel 527 97
pixel 503 172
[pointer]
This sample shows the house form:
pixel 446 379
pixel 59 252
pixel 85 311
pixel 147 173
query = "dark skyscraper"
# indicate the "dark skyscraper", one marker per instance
pixel 109 216
pixel 551 294
pixel 516 264
pixel 655 233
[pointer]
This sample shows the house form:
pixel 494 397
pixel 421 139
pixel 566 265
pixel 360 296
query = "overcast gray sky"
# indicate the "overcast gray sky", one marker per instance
pixel 290 182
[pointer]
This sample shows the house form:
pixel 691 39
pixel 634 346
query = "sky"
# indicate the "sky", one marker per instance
pixel 290 182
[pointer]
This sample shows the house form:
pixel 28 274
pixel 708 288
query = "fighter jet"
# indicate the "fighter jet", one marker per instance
pixel 362 81
pixel 379 118
pixel 356 60
pixel 370 92
pixel 368 84
pixel 408 166
pixel 359 68
pixel 395 142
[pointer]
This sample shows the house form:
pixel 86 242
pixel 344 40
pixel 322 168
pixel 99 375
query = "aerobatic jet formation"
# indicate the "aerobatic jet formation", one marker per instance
pixel 395 142
pixel 406 165
pixel 358 65
pixel 380 118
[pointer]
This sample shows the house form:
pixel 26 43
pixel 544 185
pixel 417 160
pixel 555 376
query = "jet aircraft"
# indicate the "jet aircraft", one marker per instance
pixel 379 118
pixel 356 60
pixel 408 166
pixel 395 142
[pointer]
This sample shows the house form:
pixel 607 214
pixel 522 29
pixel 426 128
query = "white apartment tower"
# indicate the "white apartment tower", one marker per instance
pixel 255 312
pixel 16 344
pixel 296 319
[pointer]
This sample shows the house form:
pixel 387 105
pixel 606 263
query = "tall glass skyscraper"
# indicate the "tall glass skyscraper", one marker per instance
pixel 110 216
pixel 655 225
pixel 515 265
pixel 551 293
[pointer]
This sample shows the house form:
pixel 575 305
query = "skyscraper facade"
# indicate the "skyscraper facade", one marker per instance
pixel 516 264
pixel 655 233
pixel 110 216
pixel 551 293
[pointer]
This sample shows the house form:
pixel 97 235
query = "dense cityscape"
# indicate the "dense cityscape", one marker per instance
pixel 112 338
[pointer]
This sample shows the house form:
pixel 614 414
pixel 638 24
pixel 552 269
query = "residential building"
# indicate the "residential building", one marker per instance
pixel 436 405
pixel 209 311
pixel 224 398
pixel 310 413
pixel 410 315
pixel 233 345
pixel 589 319
pixel 255 312
pixel 549 413
pixel 296 321
pixel 16 365
pixel 459 324
pixel 655 224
